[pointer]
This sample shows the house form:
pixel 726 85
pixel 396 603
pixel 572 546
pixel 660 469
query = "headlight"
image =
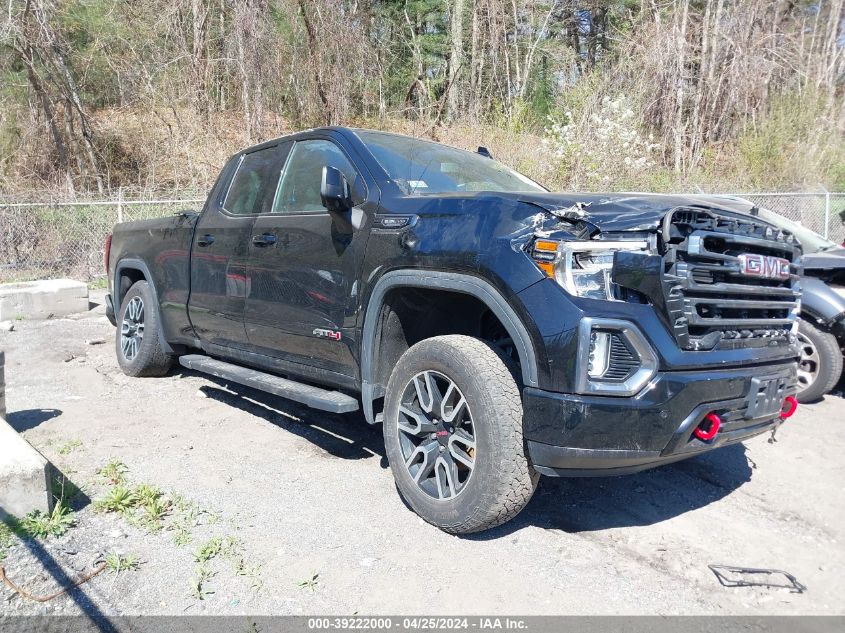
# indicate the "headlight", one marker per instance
pixel 582 268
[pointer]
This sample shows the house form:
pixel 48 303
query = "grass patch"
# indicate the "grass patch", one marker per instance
pixel 202 574
pixel 7 538
pixel 117 563
pixel 251 571
pixel 146 494
pixel 37 524
pixel 114 472
pixel 68 447
pixel 118 499
pixel 144 505
pixel 208 551
pixel 310 583
pixel 181 535
pixel 154 512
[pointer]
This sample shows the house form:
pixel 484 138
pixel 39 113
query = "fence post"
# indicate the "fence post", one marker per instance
pixel 826 212
pixel 120 205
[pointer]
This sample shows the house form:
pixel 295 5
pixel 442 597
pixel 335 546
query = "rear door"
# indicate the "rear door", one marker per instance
pixel 301 302
pixel 219 284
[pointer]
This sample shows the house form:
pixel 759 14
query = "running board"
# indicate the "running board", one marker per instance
pixel 314 397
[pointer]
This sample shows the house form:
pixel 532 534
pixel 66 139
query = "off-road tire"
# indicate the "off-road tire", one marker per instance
pixel 503 480
pixel 150 359
pixel 828 358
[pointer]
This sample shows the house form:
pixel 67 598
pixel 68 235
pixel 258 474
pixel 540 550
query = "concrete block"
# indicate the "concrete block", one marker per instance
pixel 42 299
pixel 24 472
pixel 24 476
pixel 2 385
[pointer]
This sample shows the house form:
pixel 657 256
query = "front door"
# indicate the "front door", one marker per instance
pixel 219 253
pixel 302 272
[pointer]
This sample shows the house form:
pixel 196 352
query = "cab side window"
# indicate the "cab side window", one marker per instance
pixel 254 183
pixel 299 188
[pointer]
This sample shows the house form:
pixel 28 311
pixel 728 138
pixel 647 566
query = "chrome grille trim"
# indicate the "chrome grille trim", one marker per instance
pixel 708 301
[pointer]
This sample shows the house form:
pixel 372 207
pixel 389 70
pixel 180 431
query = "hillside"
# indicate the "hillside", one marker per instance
pixel 671 95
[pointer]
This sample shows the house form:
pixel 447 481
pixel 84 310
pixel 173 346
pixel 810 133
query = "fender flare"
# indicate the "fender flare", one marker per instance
pixel 139 265
pixel 457 282
pixel 820 301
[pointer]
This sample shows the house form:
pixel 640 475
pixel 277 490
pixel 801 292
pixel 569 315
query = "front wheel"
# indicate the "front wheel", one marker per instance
pixel 138 341
pixel 453 435
pixel 821 362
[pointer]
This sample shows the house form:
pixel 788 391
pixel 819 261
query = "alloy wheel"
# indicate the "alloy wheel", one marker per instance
pixel 808 366
pixel 132 328
pixel 437 435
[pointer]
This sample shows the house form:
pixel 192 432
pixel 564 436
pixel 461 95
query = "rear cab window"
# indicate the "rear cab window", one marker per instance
pixel 254 183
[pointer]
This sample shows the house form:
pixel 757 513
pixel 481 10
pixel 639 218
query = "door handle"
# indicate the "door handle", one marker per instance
pixel 265 239
pixel 205 240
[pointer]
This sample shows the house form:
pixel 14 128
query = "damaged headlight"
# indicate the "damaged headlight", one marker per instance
pixel 583 268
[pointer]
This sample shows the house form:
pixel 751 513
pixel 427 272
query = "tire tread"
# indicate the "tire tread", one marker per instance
pixel 517 480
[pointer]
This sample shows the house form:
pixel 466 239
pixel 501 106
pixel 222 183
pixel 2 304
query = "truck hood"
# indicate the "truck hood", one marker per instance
pixel 626 211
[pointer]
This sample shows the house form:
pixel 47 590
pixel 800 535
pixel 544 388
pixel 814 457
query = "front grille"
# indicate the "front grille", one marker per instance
pixel 709 302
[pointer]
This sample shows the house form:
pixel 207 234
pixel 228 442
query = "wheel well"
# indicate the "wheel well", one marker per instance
pixel 409 315
pixel 127 277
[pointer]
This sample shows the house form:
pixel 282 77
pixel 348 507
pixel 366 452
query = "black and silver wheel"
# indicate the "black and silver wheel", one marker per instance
pixel 453 435
pixel 138 342
pixel 436 435
pixel 821 362
pixel 132 328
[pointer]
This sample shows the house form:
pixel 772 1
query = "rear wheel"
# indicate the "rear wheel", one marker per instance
pixel 821 362
pixel 453 435
pixel 138 340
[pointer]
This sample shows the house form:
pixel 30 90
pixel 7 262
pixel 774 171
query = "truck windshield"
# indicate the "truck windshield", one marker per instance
pixel 422 167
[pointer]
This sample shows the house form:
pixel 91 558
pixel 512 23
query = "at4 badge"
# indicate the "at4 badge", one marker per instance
pixel 332 334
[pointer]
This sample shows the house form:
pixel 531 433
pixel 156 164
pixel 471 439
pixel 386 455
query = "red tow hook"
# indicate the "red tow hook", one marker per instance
pixel 790 402
pixel 708 428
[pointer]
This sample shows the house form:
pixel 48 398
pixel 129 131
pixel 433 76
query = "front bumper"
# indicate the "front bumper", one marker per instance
pixel 576 436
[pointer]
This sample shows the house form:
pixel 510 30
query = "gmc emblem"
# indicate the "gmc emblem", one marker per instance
pixel 765 266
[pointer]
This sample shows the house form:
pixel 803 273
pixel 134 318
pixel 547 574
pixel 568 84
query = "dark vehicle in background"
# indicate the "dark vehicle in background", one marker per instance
pixel 821 331
pixel 496 330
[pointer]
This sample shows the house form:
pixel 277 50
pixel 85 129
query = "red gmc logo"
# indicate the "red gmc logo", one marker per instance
pixel 765 266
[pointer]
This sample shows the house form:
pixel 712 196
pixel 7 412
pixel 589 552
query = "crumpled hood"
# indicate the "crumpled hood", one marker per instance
pixel 626 211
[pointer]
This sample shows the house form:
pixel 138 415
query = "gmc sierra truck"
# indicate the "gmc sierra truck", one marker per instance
pixel 497 331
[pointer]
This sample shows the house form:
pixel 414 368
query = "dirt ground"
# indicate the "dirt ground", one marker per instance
pixel 304 509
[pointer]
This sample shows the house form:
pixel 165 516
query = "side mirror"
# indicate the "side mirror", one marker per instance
pixel 336 196
pixel 334 191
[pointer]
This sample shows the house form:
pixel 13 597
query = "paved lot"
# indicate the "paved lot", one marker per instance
pixel 293 494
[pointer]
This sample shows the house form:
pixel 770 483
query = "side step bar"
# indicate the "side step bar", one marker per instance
pixel 333 401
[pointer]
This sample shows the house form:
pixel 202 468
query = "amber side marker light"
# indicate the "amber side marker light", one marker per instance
pixel 544 253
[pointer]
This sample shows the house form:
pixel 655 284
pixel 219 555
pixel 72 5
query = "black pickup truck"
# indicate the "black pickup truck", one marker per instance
pixel 496 330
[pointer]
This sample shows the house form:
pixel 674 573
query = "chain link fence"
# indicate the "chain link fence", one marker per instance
pixel 66 239
pixel 819 212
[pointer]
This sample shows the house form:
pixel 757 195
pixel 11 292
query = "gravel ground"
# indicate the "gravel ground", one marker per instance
pixel 304 509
